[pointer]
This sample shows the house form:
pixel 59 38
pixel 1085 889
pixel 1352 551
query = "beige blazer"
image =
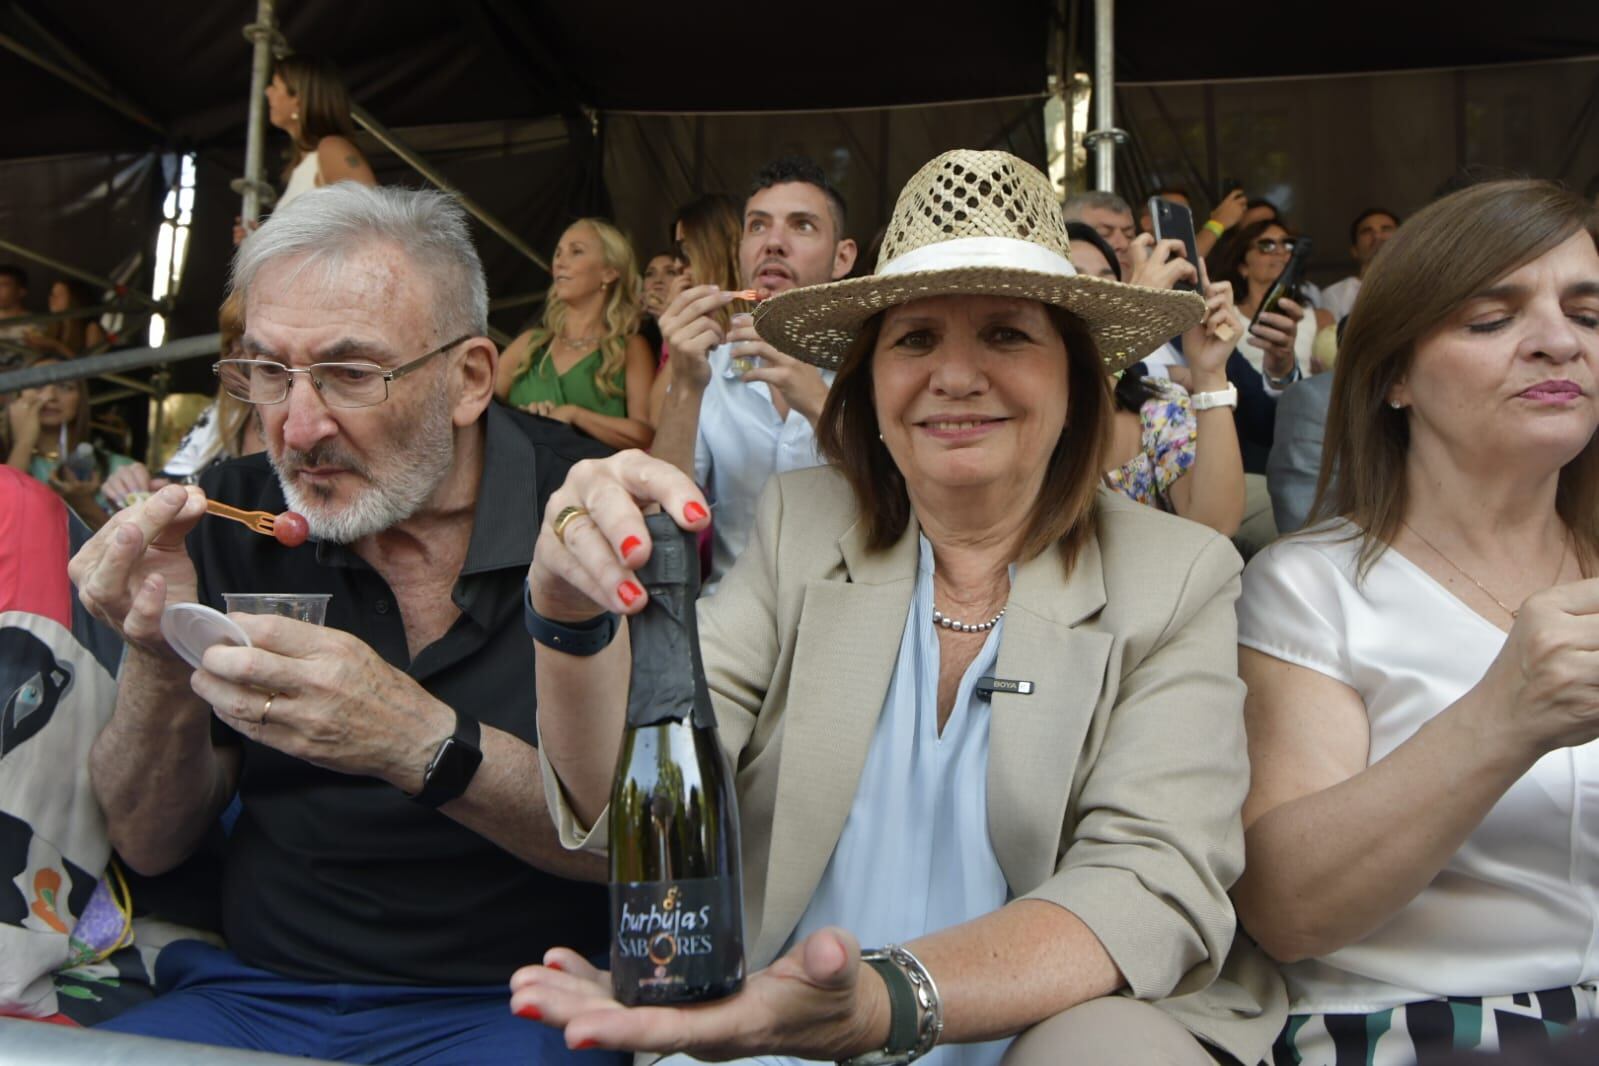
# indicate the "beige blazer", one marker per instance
pixel 1114 789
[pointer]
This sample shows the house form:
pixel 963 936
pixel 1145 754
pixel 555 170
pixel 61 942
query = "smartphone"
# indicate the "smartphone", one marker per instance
pixel 1288 282
pixel 1173 221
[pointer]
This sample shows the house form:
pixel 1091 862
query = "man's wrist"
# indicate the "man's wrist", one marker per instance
pixel 434 724
pixel 1283 380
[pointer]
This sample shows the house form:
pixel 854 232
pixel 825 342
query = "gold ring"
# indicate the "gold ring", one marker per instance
pixel 267 710
pixel 564 519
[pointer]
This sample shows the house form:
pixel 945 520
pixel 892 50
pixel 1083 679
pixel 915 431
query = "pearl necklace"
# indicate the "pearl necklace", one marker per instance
pixel 940 619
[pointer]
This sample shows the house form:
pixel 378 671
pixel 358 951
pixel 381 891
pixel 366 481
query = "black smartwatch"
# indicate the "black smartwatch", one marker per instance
pixel 453 764
pixel 578 638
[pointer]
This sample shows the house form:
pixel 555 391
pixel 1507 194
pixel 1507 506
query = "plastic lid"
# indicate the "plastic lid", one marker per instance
pixel 191 628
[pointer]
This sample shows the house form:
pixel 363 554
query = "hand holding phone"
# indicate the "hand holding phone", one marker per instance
pixel 1173 221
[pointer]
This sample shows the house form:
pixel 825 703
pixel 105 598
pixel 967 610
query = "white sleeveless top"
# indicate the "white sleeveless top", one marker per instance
pixel 301 180
pixel 1516 909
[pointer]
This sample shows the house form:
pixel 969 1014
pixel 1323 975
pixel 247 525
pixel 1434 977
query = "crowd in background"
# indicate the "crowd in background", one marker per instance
pixel 1405 455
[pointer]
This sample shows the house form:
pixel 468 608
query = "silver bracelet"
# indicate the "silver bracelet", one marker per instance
pixel 929 1022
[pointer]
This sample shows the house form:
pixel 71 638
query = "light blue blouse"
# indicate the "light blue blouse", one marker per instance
pixel 915 855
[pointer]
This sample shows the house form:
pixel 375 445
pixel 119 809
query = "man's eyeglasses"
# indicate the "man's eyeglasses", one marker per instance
pixel 1272 246
pixel 263 381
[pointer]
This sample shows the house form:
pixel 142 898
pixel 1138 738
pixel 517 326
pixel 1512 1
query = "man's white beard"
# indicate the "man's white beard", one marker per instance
pixel 398 486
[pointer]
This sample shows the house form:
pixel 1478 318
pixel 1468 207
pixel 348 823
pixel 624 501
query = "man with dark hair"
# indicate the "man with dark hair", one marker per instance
pixel 13 290
pixel 1368 232
pixel 737 410
pixel 802 169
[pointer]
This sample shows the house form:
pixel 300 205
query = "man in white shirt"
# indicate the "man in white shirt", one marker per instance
pixel 1369 232
pixel 731 429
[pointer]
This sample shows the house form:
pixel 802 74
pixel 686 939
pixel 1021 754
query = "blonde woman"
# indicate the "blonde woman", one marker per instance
pixel 585 363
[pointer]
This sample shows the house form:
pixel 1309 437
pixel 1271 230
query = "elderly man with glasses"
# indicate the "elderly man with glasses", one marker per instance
pixel 392 861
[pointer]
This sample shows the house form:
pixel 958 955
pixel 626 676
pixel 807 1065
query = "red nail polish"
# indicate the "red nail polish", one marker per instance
pixel 584 1045
pixel 629 546
pixel 530 1012
pixel 554 966
pixel 693 512
pixel 629 592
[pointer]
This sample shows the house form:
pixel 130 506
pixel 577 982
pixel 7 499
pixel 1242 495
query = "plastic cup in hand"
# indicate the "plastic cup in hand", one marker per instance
pixel 312 607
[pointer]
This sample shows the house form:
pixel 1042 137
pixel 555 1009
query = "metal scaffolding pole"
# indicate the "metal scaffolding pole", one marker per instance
pixel 1105 136
pixel 90 366
pixel 65 316
pixel 426 169
pixel 158 306
pixel 257 191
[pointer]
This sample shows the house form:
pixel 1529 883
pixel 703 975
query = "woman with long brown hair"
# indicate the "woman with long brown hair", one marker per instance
pixel 50 439
pixel 1422 819
pixel 307 99
pixel 705 237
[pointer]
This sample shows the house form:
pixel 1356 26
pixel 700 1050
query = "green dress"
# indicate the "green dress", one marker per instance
pixel 539 383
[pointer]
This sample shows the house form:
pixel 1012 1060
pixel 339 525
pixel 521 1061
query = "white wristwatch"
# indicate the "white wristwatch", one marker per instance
pixel 1204 401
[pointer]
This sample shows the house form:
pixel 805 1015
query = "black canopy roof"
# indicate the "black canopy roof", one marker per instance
pixel 185 63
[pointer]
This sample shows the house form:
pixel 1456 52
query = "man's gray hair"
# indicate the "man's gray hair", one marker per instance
pixel 1072 210
pixel 325 225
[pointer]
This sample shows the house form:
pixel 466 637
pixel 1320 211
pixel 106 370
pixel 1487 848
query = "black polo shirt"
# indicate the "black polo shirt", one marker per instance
pixel 334 877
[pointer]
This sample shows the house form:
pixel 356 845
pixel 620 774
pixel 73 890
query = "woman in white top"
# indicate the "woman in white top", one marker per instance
pixel 307 100
pixel 1252 259
pixel 1423 818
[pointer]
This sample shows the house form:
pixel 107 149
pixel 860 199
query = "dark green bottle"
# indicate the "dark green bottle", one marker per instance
pixel 1289 282
pixel 677 900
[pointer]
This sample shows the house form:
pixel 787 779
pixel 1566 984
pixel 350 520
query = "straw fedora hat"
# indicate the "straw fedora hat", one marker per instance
pixel 976 223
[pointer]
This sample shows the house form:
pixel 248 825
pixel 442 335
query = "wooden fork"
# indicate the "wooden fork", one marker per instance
pixel 258 521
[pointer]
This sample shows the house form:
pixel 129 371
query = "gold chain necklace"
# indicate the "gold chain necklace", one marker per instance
pixel 581 342
pixel 1565 549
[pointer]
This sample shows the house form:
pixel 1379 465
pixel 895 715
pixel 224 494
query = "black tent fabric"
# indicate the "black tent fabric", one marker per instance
pixel 186 64
pixel 1324 149
pixel 547 111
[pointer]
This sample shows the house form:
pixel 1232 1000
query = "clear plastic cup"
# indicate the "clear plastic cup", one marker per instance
pixel 305 607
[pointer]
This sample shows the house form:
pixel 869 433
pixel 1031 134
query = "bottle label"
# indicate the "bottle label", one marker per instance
pixel 674 940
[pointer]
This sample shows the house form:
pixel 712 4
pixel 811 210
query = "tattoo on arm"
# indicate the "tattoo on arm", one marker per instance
pixel 352 161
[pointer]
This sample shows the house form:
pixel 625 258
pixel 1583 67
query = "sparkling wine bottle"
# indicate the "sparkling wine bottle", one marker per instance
pixel 1288 283
pixel 677 901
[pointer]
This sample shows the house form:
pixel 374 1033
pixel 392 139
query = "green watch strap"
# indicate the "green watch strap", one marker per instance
pixel 901 1006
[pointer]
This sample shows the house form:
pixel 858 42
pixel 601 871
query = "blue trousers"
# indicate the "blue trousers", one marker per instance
pixel 208 996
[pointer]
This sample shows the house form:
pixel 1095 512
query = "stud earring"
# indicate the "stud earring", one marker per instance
pixel 1396 405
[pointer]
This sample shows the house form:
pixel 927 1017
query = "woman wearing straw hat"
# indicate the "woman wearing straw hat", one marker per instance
pixel 979 706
